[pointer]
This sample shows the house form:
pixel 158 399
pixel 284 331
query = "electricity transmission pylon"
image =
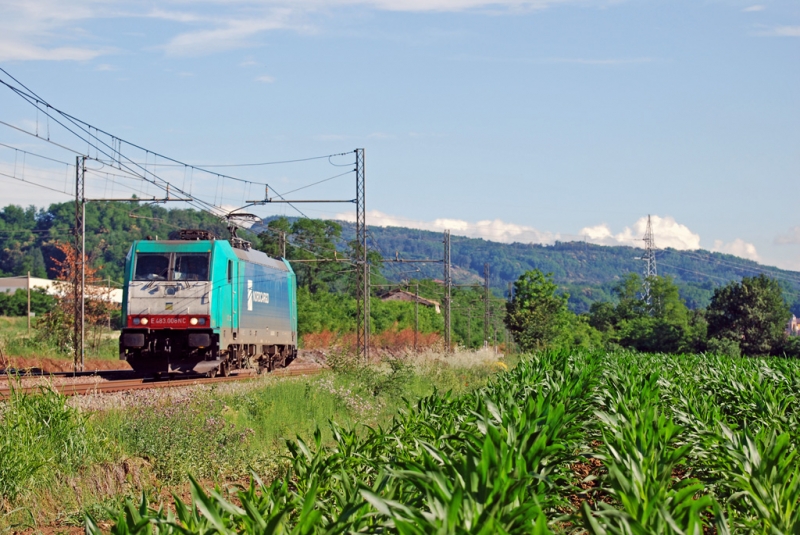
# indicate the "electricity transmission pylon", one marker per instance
pixel 649 258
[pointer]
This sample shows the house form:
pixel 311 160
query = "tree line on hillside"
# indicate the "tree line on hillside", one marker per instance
pixel 747 317
pixel 30 237
pixel 587 272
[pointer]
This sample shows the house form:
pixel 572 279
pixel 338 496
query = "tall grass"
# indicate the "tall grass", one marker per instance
pixel 41 436
pixel 15 341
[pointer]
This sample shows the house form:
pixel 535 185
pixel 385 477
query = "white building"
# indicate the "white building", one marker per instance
pixel 12 284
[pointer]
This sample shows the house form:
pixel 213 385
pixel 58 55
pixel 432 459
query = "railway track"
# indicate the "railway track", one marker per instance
pixel 143 383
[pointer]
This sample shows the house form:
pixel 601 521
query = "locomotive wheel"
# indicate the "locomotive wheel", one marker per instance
pixel 212 373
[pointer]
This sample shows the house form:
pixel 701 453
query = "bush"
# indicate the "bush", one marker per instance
pixel 16 304
pixel 724 346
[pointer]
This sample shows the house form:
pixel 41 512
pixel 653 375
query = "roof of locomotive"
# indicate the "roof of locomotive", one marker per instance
pixel 252 256
pixel 257 257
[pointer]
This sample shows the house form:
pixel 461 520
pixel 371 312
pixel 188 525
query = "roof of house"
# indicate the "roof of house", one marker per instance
pixel 398 293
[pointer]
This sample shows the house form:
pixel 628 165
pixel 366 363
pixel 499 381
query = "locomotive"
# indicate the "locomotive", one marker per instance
pixel 206 306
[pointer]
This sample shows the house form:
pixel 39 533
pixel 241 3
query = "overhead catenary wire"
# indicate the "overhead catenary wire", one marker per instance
pixel 319 182
pixel 742 267
pixel 34 184
pixel 279 162
pixel 35 100
pixel 87 128
pixel 39 137
pixel 36 155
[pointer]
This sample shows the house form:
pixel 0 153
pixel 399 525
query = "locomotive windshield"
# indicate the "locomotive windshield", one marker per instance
pixel 167 266
pixel 190 267
pixel 151 267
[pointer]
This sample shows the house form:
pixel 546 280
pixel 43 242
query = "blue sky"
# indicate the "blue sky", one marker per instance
pixel 513 120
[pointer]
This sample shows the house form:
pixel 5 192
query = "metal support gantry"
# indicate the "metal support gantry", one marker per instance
pixel 362 264
pixel 649 258
pixel 448 284
pixel 487 311
pixel 79 271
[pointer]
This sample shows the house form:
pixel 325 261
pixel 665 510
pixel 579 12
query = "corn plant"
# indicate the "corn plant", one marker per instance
pixel 681 445
pixel 765 471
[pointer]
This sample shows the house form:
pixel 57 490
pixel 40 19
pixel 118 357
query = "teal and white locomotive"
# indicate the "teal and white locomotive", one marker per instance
pixel 201 305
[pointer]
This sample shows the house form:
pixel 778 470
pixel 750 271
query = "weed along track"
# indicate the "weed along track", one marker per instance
pixel 85 387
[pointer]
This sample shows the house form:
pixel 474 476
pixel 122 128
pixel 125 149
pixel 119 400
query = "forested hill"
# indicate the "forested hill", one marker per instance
pixel 588 272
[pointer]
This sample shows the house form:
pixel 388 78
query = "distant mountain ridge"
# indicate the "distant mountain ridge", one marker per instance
pixel 587 271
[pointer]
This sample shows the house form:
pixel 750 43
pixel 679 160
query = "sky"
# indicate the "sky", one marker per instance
pixel 513 120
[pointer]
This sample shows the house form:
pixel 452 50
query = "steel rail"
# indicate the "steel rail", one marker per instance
pixel 122 385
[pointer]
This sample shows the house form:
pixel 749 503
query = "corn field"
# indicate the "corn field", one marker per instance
pixel 618 443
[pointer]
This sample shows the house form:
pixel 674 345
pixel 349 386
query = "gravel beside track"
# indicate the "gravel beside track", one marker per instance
pixel 122 381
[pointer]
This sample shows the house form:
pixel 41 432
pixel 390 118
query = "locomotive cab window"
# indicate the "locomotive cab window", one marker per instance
pixel 151 267
pixel 190 267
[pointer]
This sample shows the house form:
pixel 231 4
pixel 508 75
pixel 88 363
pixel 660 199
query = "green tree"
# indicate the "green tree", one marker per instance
pixel 662 325
pixel 273 240
pixel 16 304
pixel 538 316
pixel 751 313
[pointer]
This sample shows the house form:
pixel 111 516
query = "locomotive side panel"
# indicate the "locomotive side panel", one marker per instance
pixel 291 285
pixel 264 300
pixel 223 277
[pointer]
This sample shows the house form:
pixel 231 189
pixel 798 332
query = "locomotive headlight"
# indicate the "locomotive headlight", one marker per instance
pixel 202 321
pixel 193 321
pixel 136 321
pixel 144 321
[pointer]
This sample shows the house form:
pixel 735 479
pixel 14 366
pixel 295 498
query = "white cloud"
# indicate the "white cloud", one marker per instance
pixel 494 230
pixel 456 5
pixel 19 51
pixel 782 31
pixel 230 35
pixel 790 238
pixel 49 29
pixel 667 233
pixel 265 79
pixel 32 30
pixel 175 16
pixel 751 9
pixel 331 137
pixel 737 247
